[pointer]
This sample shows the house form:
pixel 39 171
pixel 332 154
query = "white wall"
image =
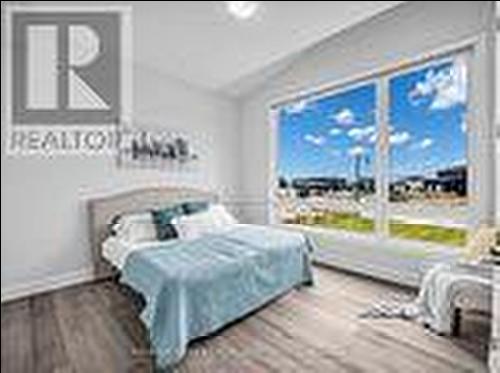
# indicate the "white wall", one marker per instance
pixel 497 94
pixel 497 62
pixel 44 232
pixel 403 33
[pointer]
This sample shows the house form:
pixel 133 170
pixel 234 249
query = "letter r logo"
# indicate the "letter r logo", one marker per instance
pixel 66 67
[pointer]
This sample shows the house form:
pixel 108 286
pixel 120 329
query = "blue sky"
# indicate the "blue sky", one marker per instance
pixel 321 137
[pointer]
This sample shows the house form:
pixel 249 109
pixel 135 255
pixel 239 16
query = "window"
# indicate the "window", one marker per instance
pixel 329 157
pixel 428 153
pixel 326 154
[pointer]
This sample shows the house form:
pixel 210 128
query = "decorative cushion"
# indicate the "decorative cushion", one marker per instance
pixel 113 226
pixel 195 207
pixel 134 227
pixel 162 220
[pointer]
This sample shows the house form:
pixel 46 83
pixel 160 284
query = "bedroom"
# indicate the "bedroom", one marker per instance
pixel 182 122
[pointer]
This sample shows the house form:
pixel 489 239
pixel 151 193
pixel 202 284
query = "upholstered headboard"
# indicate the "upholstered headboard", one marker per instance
pixel 101 210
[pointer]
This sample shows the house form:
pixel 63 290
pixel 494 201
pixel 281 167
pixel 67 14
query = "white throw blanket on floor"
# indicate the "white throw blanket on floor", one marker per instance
pixel 442 284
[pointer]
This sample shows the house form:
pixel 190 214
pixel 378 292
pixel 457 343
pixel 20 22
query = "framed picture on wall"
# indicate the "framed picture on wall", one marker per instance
pixel 157 149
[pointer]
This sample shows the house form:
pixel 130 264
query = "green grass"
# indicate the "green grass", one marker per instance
pixel 346 221
pixel 426 232
pixel 357 223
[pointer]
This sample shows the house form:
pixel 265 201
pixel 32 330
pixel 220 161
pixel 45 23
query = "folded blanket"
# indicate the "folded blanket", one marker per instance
pixel 435 303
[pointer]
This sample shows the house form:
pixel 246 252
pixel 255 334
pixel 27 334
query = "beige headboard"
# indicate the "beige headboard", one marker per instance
pixel 103 209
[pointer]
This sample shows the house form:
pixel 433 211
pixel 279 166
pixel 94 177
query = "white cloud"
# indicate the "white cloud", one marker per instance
pixel 296 107
pixel 463 126
pixel 447 87
pixel 361 133
pixel 356 151
pixel 315 140
pixel 399 138
pixel 426 143
pixel 335 131
pixel 344 117
pixel 459 162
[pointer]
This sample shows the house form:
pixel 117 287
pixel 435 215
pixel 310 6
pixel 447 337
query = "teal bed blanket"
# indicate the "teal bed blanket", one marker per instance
pixel 194 287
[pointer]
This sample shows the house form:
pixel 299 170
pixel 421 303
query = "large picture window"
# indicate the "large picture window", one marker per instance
pixel 330 155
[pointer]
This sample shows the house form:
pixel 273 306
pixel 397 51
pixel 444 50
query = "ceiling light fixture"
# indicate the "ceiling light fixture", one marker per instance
pixel 242 9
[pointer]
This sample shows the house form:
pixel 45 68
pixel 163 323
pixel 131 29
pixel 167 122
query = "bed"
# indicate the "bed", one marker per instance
pixel 193 287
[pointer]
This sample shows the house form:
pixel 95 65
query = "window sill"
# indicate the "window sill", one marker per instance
pixel 391 259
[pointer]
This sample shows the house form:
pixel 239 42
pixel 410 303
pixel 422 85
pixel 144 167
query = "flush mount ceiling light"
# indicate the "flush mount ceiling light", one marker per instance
pixel 242 9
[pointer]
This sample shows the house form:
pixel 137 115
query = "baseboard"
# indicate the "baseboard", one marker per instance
pixel 47 284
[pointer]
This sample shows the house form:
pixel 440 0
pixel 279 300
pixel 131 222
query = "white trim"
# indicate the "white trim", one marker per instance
pixel 382 148
pixel 46 284
pixel 482 107
pixel 272 119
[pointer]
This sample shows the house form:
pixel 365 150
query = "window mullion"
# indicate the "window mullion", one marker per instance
pixel 382 158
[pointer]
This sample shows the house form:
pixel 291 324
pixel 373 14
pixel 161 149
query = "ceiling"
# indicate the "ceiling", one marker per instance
pixel 200 43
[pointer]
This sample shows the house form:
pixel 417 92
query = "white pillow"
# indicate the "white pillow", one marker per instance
pixel 221 215
pixel 214 219
pixel 135 228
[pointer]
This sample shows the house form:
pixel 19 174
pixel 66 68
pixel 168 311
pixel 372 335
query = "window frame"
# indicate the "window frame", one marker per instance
pixel 415 67
pixel 480 176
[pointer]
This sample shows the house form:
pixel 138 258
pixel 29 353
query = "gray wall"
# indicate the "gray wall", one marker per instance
pixel 44 233
pixel 402 33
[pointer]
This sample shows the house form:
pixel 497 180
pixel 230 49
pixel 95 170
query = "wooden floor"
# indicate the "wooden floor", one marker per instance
pixel 93 328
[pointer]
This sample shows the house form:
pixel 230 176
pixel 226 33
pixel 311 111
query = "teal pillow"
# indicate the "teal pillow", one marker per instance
pixel 162 220
pixel 195 207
